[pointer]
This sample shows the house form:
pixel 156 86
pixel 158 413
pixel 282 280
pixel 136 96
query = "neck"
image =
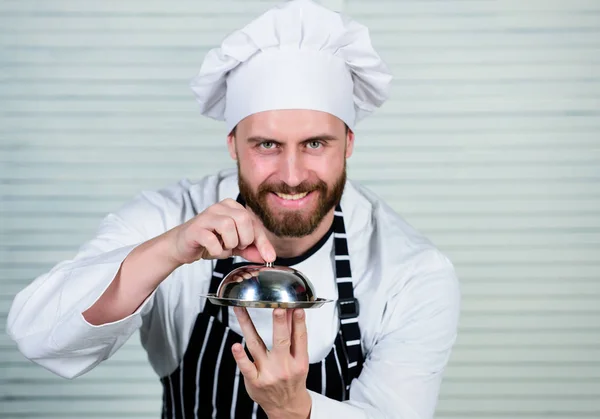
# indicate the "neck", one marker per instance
pixel 289 247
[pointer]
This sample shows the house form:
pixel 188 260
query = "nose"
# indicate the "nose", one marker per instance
pixel 292 168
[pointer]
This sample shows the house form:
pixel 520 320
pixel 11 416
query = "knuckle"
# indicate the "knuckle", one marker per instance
pixel 285 375
pixel 227 223
pixel 269 381
pixel 283 342
pixel 255 343
pixel 204 236
pixel 302 369
pixel 245 217
pixel 229 202
pixel 211 209
pixel 262 384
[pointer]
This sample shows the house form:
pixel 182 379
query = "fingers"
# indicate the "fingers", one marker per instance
pixel 250 253
pixel 238 231
pixel 226 228
pixel 210 242
pixel 281 333
pixel 255 344
pixel 247 367
pixel 289 316
pixel 299 336
pixel 242 219
pixel 262 243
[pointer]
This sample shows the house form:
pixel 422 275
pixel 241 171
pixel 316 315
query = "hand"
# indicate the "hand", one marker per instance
pixel 276 380
pixel 222 230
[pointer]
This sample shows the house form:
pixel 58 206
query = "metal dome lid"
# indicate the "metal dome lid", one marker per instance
pixel 266 286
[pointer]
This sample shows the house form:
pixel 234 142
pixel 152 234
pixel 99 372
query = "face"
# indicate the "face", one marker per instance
pixel 292 167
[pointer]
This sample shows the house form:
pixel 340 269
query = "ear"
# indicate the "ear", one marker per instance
pixel 231 146
pixel 349 143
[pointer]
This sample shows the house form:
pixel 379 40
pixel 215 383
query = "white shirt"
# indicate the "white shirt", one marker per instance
pixel 407 290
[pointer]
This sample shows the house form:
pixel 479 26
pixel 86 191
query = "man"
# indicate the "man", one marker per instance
pixel 290 86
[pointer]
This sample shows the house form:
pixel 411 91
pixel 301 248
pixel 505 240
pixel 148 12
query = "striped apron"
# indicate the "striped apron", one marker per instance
pixel 207 382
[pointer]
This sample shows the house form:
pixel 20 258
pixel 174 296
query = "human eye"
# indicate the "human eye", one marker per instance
pixel 314 145
pixel 267 145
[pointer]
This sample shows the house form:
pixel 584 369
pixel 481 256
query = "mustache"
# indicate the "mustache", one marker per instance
pixel 284 188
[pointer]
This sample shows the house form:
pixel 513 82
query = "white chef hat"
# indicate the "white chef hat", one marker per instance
pixel 297 55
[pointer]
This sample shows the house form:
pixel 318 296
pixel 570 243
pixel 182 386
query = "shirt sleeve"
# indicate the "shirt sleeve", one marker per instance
pixel 402 374
pixel 45 319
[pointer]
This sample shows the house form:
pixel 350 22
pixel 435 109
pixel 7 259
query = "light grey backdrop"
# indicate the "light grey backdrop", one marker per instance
pixel 490 145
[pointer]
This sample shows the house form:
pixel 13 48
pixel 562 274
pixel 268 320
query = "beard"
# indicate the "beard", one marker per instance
pixel 291 223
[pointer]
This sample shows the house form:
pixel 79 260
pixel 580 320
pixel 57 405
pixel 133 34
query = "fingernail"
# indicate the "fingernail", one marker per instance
pixel 299 313
pixel 278 313
pixel 271 255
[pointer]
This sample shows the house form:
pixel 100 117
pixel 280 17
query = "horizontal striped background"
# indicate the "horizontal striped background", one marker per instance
pixel 489 145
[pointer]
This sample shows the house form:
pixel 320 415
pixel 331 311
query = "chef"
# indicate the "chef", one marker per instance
pixel 290 87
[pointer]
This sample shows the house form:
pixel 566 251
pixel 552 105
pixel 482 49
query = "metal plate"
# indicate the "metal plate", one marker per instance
pixel 265 304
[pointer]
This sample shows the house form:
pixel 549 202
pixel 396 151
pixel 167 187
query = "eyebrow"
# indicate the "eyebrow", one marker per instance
pixel 322 137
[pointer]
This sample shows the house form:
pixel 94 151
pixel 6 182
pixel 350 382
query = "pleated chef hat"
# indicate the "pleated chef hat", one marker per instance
pixel 297 55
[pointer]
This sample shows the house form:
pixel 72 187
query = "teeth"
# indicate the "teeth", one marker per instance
pixel 291 197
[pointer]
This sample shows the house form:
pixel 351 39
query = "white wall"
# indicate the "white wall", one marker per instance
pixel 490 146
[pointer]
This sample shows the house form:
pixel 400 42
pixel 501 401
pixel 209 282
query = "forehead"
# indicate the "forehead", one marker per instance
pixel 290 124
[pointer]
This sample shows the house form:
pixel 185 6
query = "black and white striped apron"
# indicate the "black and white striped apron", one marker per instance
pixel 207 382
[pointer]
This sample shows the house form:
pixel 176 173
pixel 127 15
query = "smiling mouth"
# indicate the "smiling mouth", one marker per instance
pixel 291 197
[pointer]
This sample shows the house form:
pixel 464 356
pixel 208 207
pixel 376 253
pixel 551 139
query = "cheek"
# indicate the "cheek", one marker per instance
pixel 329 169
pixel 255 170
